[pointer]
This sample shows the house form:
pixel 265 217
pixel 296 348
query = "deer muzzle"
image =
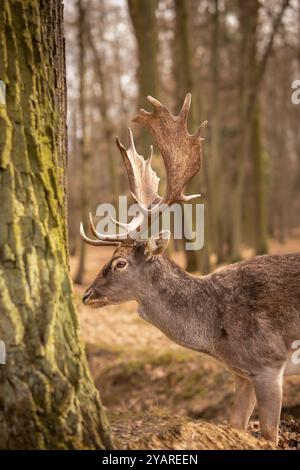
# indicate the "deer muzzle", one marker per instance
pixel 93 299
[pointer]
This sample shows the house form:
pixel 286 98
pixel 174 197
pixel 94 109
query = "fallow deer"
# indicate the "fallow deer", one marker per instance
pixel 246 315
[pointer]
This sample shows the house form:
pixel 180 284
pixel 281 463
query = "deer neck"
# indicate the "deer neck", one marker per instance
pixel 180 305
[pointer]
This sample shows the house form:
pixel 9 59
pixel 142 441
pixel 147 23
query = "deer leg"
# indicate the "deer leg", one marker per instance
pixel 268 389
pixel 244 402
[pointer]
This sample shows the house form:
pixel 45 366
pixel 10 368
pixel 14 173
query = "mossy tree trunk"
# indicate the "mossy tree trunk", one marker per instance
pixel 47 397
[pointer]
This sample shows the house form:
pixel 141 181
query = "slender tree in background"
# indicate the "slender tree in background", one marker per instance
pixel 142 13
pixel 283 126
pixel 48 399
pixel 185 83
pixel 259 177
pixel 106 124
pixel 255 145
pixel 84 153
pixel 73 170
pixel 255 150
pixel 247 48
pixel 215 184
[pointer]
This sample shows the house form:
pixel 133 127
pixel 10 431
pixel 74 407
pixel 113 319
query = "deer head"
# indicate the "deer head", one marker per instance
pixel 120 278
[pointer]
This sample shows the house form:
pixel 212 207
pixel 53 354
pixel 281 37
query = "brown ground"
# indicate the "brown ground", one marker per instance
pixel 159 395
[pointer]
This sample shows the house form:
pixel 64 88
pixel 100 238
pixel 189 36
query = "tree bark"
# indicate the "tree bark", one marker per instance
pixel 142 13
pixel 248 13
pixel 107 125
pixel 47 397
pixel 84 153
pixel 185 83
pixel 216 183
pixel 260 209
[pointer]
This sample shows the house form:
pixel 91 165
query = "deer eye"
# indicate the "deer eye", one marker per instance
pixel 121 264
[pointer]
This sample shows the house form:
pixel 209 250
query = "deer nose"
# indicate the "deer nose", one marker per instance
pixel 87 295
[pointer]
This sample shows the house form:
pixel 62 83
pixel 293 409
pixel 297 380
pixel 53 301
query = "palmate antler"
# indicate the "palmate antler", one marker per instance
pixel 182 155
pixel 181 151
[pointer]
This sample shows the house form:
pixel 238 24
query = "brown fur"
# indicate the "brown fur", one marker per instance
pixel 246 315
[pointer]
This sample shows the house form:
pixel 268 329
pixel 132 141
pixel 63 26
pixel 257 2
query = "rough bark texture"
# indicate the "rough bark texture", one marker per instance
pixel 47 397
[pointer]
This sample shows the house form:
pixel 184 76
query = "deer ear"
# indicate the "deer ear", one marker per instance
pixel 157 244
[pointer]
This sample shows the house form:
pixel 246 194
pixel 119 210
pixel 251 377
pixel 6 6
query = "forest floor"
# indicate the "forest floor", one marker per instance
pixel 159 395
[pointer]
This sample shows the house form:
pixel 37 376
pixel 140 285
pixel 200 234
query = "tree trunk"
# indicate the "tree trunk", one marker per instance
pixel 216 183
pixel 106 124
pixel 47 397
pixel 142 13
pixel 84 153
pixel 248 15
pixel 260 211
pixel 184 83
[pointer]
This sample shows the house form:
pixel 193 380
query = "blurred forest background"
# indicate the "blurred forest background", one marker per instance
pixel 239 59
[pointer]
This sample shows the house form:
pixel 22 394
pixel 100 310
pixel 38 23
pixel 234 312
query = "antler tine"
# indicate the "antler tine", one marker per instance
pixel 185 198
pixel 156 104
pixel 154 101
pixel 133 224
pixel 198 132
pixel 142 179
pixel 131 141
pixel 90 241
pixel 185 108
pixel 102 236
pixel 142 117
